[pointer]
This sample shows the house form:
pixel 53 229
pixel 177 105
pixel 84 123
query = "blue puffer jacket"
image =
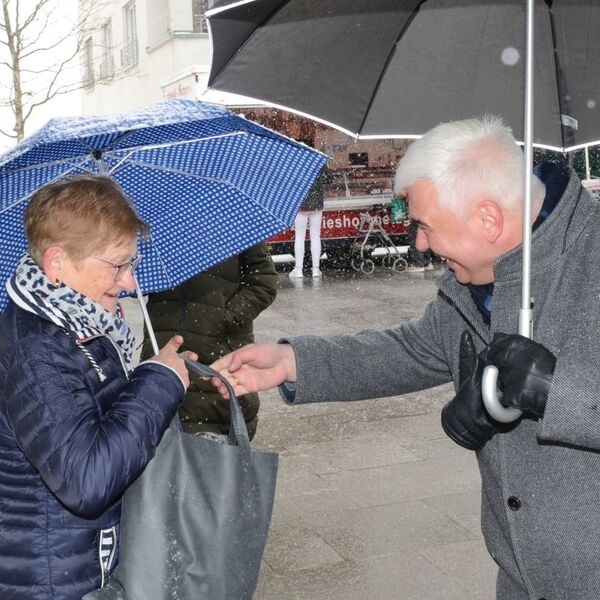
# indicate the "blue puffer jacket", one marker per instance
pixel 69 446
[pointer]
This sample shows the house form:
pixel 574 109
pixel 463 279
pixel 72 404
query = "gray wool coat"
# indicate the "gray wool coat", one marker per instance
pixel 540 480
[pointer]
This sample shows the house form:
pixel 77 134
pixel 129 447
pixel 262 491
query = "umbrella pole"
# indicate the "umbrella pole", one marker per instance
pixel 588 171
pixel 526 311
pixel 489 384
pixel 146 316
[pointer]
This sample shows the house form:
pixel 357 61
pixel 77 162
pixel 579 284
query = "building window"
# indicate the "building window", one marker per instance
pixel 88 63
pixel 158 22
pixel 129 52
pixel 199 8
pixel 358 159
pixel 107 65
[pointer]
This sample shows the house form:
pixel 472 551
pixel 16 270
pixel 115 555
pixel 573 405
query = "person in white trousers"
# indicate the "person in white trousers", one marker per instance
pixel 310 214
pixel 312 220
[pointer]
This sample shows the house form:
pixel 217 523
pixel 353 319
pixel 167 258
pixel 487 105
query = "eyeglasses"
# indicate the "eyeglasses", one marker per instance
pixel 121 270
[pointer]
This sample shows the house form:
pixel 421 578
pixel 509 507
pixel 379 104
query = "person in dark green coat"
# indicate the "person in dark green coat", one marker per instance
pixel 214 312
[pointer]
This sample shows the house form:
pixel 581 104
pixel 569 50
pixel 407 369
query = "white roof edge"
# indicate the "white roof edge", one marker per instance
pixel 563 149
pixel 580 146
pixel 189 70
pixel 215 11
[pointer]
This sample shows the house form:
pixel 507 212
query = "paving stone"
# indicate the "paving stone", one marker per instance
pixel 468 565
pixel 311 504
pixel 408 481
pixel 378 530
pixel 301 483
pixel 403 576
pixel 413 429
pixel 293 545
pixel 279 431
pixel 436 448
pixel 349 454
pixel 359 419
pixel 373 502
pixel 463 507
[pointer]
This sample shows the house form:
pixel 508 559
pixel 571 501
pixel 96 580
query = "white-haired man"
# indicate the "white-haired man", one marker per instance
pixel 540 476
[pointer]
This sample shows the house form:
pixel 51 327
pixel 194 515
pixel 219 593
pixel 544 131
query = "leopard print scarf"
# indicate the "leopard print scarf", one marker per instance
pixel 78 315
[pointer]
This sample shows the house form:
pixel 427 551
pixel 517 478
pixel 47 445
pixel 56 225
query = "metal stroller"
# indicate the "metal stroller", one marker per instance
pixel 371 235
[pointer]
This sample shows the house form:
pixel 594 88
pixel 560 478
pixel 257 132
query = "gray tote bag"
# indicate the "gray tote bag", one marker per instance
pixel 194 524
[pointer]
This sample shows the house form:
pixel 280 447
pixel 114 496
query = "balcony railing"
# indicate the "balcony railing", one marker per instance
pixel 129 54
pixel 107 68
pixel 88 78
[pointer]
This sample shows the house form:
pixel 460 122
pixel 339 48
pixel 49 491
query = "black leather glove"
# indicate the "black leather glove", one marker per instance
pixel 464 418
pixel 525 371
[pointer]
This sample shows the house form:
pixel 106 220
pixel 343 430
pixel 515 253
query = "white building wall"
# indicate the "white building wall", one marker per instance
pixel 167 50
pixel 181 16
pixel 174 62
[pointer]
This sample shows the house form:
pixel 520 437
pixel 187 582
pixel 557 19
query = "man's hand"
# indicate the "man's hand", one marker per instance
pixel 169 357
pixel 255 368
pixel 525 371
pixel 464 418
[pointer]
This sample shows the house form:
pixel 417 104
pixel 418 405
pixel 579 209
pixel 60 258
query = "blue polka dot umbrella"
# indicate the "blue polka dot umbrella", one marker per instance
pixel 209 183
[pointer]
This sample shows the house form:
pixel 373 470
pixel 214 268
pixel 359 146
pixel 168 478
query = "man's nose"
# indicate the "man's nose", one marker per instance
pixel 421 242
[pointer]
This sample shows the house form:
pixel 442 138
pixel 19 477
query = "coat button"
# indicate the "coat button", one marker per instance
pixel 513 503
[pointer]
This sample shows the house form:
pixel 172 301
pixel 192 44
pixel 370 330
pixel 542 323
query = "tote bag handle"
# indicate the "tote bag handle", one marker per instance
pixel 238 432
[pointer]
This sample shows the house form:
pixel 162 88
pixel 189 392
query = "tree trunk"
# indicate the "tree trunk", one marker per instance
pixel 16 99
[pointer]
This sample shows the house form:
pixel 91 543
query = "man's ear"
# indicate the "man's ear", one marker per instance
pixel 54 263
pixel 491 218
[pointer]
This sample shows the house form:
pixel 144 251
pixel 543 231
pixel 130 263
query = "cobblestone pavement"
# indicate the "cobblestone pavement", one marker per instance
pixel 373 501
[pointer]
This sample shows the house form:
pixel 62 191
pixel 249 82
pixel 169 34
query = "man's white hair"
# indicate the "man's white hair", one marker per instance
pixel 469 160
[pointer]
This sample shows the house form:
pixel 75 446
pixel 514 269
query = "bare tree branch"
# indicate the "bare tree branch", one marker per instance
pixel 32 17
pixel 40 32
pixel 39 56
pixel 8 135
pixel 47 48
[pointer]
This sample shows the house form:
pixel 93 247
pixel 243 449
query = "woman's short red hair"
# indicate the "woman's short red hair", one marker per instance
pixel 83 215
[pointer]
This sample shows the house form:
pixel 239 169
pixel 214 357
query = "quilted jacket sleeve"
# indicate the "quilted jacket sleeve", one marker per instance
pixel 86 458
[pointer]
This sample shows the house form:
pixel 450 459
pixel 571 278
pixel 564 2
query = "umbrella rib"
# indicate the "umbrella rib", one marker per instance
pixel 387 63
pixel 23 198
pixel 162 262
pixel 51 163
pixel 185 174
pixel 130 151
pixel 558 73
pixel 178 172
pixel 214 11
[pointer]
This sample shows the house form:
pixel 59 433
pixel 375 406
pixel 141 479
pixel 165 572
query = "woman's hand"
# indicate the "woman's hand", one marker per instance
pixel 169 357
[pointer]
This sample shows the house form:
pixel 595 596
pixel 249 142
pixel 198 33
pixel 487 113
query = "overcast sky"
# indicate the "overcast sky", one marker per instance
pixel 63 105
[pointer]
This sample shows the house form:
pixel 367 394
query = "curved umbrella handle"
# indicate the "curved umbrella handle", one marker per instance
pixel 489 391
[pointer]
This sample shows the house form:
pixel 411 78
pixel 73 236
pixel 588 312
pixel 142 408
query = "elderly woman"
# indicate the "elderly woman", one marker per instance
pixel 77 423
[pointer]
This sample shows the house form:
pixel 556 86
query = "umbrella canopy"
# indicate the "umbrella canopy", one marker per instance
pixel 209 182
pixel 397 68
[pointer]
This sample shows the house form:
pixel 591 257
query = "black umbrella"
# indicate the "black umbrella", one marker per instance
pixel 396 68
